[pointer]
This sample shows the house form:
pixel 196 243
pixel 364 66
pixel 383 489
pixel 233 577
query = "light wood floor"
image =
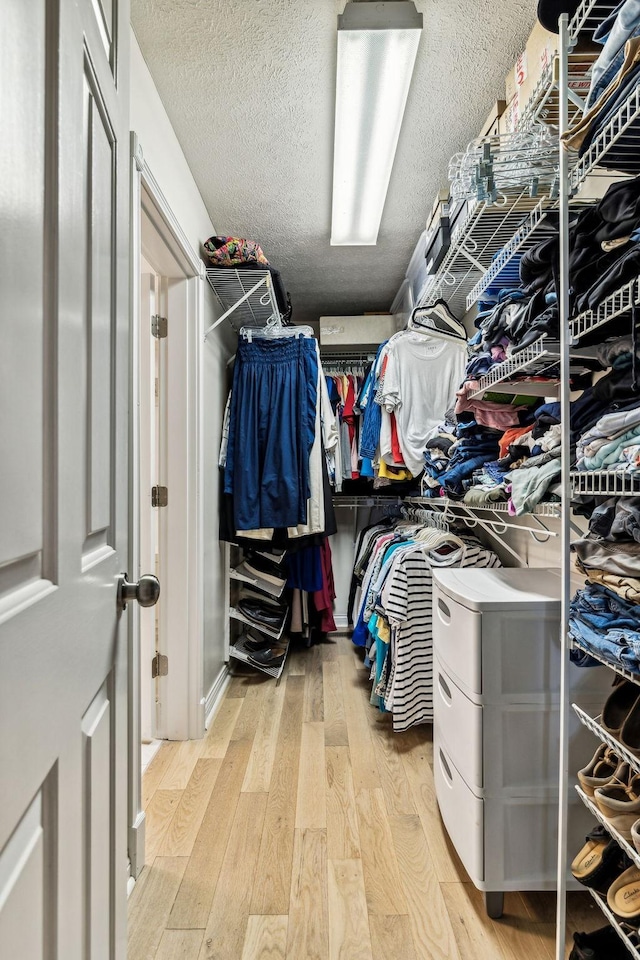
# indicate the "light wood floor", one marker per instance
pixel 303 828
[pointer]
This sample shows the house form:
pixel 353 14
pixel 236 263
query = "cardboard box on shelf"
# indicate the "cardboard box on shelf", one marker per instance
pixel 491 126
pixel 440 207
pixel 509 119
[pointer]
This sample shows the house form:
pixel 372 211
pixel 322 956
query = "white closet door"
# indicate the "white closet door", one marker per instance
pixel 64 255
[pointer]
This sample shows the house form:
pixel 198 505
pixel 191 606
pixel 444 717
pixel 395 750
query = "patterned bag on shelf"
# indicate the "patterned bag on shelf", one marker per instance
pixel 233 252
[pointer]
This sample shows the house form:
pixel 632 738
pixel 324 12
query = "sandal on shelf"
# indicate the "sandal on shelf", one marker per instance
pixel 623 895
pixel 599 862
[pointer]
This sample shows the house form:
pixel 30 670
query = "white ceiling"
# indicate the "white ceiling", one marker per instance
pixel 249 86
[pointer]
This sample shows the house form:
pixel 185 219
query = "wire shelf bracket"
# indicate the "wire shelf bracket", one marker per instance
pixel 621 671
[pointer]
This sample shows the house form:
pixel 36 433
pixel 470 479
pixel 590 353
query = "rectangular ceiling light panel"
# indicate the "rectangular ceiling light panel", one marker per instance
pixel 377 47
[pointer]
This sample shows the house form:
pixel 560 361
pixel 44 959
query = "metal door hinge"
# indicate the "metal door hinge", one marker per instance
pixel 159 496
pixel 159 666
pixel 159 327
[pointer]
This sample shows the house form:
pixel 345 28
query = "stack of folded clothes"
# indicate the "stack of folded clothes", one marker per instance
pixel 605 615
pixel 605 420
pixel 482 464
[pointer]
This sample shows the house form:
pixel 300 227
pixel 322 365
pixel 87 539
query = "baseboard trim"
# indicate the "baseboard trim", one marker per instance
pixel 341 622
pixel 213 698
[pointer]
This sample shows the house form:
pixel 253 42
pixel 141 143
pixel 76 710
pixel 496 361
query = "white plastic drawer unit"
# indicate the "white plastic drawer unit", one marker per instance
pixel 482 615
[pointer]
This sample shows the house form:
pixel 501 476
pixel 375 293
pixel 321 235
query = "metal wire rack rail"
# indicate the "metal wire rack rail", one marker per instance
pixel 534 359
pixel 609 483
pixel 485 229
pixel 620 302
pixel 246 296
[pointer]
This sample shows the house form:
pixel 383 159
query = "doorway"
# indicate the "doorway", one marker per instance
pixel 166 653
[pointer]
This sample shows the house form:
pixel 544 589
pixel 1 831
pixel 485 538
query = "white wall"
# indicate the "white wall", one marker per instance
pixel 167 162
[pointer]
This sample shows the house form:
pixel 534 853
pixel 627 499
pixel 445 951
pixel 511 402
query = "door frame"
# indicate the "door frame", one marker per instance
pixel 183 711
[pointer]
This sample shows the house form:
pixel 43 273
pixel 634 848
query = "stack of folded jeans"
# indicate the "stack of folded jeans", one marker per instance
pixel 605 624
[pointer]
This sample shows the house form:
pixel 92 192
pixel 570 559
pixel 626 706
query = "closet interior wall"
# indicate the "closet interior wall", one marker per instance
pixel 165 158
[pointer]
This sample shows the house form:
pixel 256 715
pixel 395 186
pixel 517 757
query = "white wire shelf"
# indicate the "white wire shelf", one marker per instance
pixel 588 16
pixel 246 296
pixel 237 614
pixel 549 509
pixel 595 726
pixel 475 239
pixel 620 302
pixel 619 483
pixel 543 105
pixel 265 585
pixel 522 240
pixel 239 651
pixel 628 848
pixel 621 671
pixel 631 945
pixel 534 359
pixel 622 132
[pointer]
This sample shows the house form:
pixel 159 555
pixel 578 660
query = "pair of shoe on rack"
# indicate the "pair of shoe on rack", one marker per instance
pixel 604 867
pixel 262 613
pixel 621 716
pixel 261 651
pixel 614 786
pixel 266 574
pixel 602 944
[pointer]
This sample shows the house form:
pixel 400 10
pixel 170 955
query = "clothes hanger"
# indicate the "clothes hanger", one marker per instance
pixel 436 320
pixel 274 330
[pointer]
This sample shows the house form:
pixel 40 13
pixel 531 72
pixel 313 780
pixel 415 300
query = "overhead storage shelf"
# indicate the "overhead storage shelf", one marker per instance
pixel 485 229
pixel 620 302
pixel 620 483
pixel 533 360
pixel 246 296
pixel 502 270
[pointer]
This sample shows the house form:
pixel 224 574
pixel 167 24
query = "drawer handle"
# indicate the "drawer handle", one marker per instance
pixel 444 688
pixel 446 769
pixel 443 611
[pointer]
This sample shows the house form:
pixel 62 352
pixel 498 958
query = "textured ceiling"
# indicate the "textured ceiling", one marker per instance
pixel 249 86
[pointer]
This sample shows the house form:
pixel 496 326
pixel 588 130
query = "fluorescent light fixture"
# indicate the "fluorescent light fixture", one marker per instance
pixel 377 47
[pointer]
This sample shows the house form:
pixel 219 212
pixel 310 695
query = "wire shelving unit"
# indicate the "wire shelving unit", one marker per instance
pixel 246 296
pixel 499 271
pixel 486 228
pixel 533 360
pixel 606 483
pixel 617 304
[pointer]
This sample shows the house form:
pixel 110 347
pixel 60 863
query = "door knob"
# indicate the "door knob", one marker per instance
pixel 146 591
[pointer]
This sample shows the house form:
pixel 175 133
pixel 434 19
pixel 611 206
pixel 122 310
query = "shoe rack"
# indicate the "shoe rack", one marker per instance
pixel 239 584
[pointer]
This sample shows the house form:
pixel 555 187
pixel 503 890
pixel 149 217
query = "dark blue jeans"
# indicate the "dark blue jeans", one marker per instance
pixel 271 432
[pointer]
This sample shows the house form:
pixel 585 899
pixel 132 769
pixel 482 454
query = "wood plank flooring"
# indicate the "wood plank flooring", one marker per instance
pixel 302 828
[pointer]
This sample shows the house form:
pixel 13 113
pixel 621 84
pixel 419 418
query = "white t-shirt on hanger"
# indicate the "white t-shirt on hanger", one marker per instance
pixel 420 383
